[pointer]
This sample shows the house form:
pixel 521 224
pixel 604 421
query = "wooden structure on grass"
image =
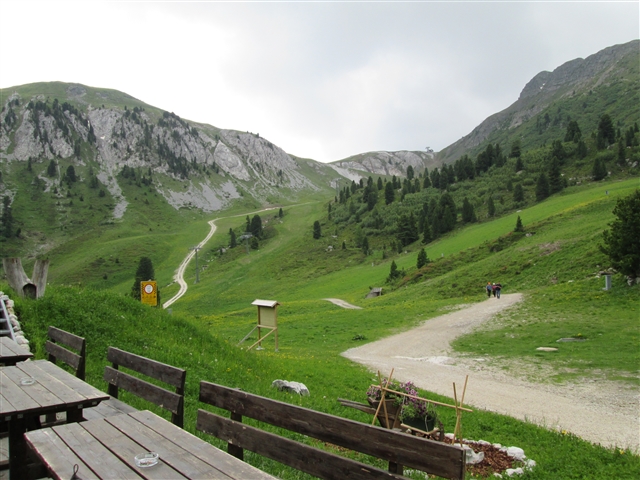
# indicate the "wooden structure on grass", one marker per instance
pixel 267 320
pixel 330 433
pixel 23 285
pixel 391 420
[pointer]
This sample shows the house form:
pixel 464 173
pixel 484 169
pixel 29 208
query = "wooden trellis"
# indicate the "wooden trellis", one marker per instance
pixel 384 389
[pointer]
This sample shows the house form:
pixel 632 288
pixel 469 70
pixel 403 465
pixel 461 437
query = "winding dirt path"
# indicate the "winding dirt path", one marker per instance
pixel 601 412
pixel 179 275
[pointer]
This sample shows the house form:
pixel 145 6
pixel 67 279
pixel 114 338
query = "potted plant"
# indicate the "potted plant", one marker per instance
pixel 392 403
pixel 415 412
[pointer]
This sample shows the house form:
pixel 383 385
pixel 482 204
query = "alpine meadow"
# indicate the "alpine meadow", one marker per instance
pixel 541 198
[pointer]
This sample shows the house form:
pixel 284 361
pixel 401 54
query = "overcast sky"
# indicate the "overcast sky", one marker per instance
pixel 322 80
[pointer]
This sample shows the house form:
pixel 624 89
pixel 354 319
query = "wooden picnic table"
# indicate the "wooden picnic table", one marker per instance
pixel 12 353
pixel 31 389
pixel 105 448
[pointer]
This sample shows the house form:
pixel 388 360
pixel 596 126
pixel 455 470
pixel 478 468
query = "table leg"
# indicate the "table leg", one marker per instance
pixel 17 448
pixel 74 415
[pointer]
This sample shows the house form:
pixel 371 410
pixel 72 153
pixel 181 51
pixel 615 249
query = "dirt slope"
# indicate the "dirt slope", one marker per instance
pixel 598 411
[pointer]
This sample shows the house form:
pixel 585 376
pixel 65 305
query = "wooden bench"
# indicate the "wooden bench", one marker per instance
pixel 397 448
pixel 58 348
pixel 117 379
pixel 55 348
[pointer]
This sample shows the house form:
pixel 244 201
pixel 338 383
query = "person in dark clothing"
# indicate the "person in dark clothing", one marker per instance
pixel 489 289
pixel 496 289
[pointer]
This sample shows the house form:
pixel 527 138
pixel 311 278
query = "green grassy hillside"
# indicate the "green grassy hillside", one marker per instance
pixel 554 263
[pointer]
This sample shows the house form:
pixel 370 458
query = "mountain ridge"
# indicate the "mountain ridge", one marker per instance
pixel 63 142
pixel 579 75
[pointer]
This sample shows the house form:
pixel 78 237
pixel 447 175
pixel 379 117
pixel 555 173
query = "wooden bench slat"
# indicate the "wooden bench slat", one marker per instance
pixel 74 341
pixel 60 353
pixel 174 376
pixel 150 392
pixel 308 459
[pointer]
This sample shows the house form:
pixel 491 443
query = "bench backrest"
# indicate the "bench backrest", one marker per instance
pixel 171 401
pixel 55 347
pixel 399 449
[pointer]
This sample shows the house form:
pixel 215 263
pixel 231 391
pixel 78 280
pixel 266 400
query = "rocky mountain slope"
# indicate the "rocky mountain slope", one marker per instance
pixel 101 133
pixel 575 82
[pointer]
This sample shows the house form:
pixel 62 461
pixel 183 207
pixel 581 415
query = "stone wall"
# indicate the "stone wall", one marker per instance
pixel 15 324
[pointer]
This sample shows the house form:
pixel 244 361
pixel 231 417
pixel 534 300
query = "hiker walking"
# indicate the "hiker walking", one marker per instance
pixel 497 287
pixel 489 289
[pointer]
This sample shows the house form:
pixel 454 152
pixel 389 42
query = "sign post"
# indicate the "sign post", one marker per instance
pixel 149 293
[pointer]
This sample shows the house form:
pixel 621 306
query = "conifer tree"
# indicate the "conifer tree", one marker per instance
pixel 51 169
pixel 143 273
pixel 233 242
pixel 393 271
pixel 518 193
pixel 422 259
pixel 556 182
pixel 599 169
pixel 426 234
pixel 468 212
pixel 255 228
pixel 622 240
pixel 389 193
pixel 365 246
pixel 519 226
pixel 491 207
pixel 6 221
pixel 542 187
pixel 317 231
pixel 519 165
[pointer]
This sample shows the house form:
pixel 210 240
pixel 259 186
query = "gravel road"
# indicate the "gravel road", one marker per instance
pixel 599 411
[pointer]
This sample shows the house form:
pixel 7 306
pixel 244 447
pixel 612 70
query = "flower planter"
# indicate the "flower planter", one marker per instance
pixel 425 424
pixel 392 412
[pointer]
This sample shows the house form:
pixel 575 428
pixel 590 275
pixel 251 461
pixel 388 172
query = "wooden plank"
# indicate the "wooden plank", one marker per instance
pixel 160 371
pixel 126 449
pixel 176 454
pixel 108 408
pixel 91 394
pixel 414 452
pixel 215 457
pixel 61 336
pixel 358 406
pixel 95 455
pixel 13 398
pixel 150 392
pixel 316 462
pixel 56 456
pixel 61 353
pixel 42 399
pixel 56 383
pixel 11 352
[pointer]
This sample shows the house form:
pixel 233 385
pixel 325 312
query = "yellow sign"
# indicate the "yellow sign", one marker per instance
pixel 149 293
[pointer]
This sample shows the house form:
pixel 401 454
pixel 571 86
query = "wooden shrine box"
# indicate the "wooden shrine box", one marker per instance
pixel 267 320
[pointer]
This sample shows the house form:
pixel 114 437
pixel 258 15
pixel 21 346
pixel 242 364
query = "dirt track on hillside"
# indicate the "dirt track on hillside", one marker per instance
pixel 599 411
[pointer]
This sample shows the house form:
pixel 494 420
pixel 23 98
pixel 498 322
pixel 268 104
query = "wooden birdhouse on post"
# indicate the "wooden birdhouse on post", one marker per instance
pixel 267 320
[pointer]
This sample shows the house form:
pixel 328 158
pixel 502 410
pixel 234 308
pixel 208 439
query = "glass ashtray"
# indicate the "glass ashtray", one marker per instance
pixel 147 459
pixel 27 381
